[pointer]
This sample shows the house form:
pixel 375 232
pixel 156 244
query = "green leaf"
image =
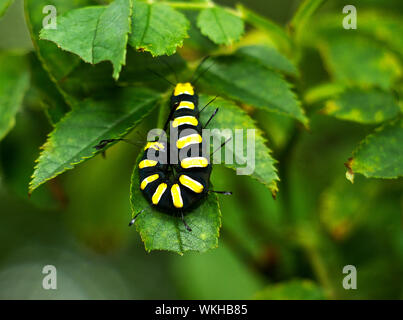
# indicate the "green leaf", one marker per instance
pixel 56 62
pixel 196 40
pixel 269 57
pixel 14 83
pixel 95 33
pixel 379 25
pixel 231 117
pixel 157 28
pixel 384 27
pixel 363 106
pixel 323 91
pixel 273 30
pixel 74 137
pixel 160 231
pixel 341 209
pixel 380 155
pixel 4 4
pixel 292 290
pixel 355 60
pixel 220 25
pixel 74 78
pixel 250 83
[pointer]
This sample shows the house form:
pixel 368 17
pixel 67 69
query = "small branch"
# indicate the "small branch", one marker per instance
pixel 200 6
pixel 191 5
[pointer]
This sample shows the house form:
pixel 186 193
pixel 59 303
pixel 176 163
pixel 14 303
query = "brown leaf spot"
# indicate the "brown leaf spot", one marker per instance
pixel 349 172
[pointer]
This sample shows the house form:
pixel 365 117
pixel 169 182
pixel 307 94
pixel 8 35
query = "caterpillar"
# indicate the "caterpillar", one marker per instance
pixel 184 189
pixel 177 187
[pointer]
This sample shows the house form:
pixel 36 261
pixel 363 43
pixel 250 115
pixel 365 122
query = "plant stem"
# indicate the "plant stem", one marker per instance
pixel 200 6
pixel 191 5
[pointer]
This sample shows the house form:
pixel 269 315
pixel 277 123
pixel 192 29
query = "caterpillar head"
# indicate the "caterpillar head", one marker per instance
pixel 184 88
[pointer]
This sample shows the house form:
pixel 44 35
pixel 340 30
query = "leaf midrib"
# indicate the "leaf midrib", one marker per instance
pixel 220 26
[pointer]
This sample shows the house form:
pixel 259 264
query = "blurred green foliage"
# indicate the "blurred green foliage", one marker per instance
pixel 347 83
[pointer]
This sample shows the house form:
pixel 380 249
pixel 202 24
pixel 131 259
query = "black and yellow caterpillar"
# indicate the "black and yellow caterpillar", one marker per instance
pixel 189 184
pixel 176 187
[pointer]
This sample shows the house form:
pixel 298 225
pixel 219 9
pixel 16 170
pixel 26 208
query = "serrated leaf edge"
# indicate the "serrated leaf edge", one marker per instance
pixel 48 142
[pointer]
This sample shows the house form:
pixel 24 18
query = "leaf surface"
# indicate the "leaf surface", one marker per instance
pixel 250 83
pixel 363 106
pixel 157 28
pixel 220 26
pixel 358 61
pixel 229 119
pixel 269 57
pixel 380 155
pixel 14 83
pixel 95 33
pixel 160 231
pixel 73 139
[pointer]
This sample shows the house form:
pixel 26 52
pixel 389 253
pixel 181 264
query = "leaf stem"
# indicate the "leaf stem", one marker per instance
pixel 276 31
pixel 191 5
pixel 201 5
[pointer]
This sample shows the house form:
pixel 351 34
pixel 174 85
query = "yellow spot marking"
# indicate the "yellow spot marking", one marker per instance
pixel 186 105
pixel 183 88
pixel 147 163
pixel 196 162
pixel 158 193
pixel 148 180
pixel 190 183
pixel 188 140
pixel 184 120
pixel 176 196
pixel 154 145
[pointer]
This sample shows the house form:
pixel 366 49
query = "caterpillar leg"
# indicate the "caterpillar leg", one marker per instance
pixel 210 102
pixel 196 76
pixel 103 143
pixel 185 224
pixel 227 193
pixel 169 118
pixel 222 145
pixel 135 217
pixel 211 117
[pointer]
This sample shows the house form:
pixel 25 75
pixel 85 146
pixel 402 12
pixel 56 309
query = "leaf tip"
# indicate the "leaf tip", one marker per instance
pixel 274 190
pixel 349 172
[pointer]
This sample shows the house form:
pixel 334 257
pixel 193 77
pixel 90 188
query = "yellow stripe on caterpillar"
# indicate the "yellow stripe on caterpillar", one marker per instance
pixel 176 196
pixel 185 120
pixel 190 183
pixel 154 145
pixel 158 193
pixel 184 88
pixel 147 163
pixel 148 180
pixel 186 105
pixel 188 140
pixel 196 162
